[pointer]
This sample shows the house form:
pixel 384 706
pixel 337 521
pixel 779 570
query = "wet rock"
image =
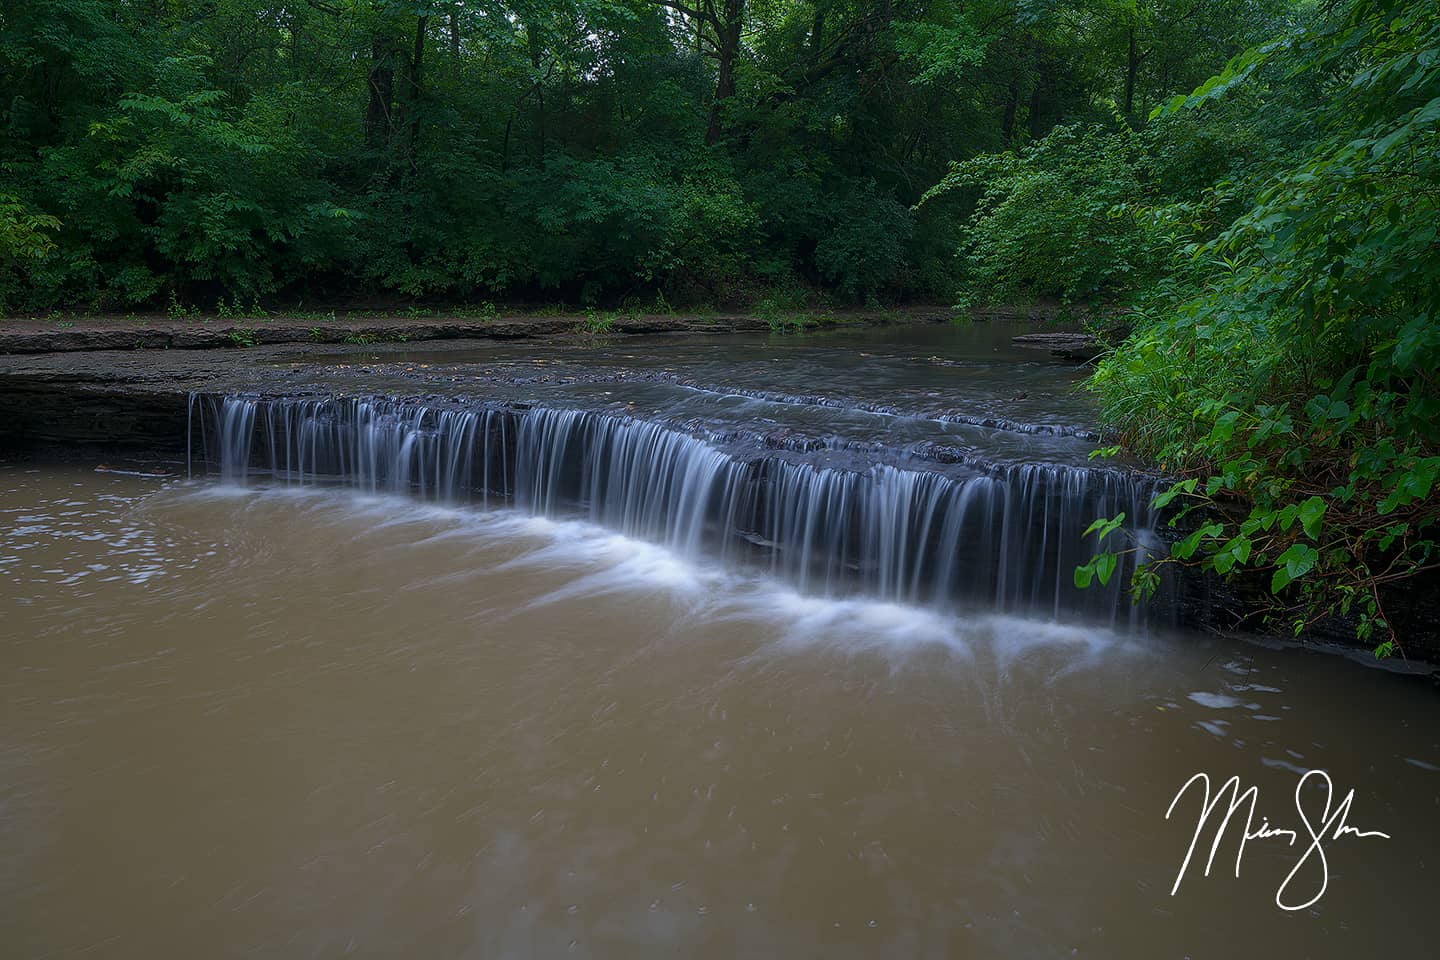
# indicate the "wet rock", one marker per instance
pixel 1074 347
pixel 160 333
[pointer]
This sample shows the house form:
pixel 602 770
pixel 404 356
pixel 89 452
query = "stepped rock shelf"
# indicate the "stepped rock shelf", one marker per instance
pixel 924 464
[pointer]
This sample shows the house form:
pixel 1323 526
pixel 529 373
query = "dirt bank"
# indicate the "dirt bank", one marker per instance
pixel 61 333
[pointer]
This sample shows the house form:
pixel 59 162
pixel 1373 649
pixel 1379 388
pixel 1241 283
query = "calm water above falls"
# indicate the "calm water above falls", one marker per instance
pixel 301 721
pixel 898 386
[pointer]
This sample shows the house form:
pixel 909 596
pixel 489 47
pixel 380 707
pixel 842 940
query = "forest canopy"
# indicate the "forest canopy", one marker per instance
pixel 585 150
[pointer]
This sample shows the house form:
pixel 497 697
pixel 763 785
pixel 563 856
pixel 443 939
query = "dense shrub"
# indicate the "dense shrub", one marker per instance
pixel 1289 366
pixel 1046 222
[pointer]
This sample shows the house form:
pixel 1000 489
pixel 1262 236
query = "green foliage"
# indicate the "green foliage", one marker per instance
pixel 176 310
pixel 941 50
pixel 790 308
pixel 595 151
pixel 863 252
pixel 597 324
pixel 1049 220
pixel 785 322
pixel 484 312
pixel 24 242
pixel 235 311
pixel 1102 565
pixel 1288 365
pixel 24 235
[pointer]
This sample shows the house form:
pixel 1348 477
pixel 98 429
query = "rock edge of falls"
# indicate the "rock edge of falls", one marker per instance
pixel 942 532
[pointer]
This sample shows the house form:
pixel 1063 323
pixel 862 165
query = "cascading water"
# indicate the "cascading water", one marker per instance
pixel 921 532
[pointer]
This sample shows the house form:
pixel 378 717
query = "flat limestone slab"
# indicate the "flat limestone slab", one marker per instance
pixel 1076 347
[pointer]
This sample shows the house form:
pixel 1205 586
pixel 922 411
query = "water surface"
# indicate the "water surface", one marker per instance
pixel 298 722
pixel 965 385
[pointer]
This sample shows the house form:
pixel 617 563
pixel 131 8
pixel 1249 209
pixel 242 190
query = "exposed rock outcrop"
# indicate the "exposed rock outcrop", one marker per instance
pixel 1075 347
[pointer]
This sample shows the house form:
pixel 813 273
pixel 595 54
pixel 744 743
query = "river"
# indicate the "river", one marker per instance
pixel 624 661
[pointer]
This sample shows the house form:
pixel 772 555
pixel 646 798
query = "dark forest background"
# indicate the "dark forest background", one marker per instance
pixel 577 150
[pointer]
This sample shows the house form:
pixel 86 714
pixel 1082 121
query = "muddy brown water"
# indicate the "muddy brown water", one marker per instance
pixel 311 723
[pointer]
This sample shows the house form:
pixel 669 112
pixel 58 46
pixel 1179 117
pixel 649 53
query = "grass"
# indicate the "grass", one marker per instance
pixel 785 311
pixel 782 322
pixel 598 324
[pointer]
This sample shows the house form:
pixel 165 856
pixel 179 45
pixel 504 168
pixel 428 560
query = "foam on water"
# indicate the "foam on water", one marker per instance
pixel 595 563
pixel 826 521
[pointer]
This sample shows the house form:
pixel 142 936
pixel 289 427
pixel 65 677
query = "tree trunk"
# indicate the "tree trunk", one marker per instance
pixel 1132 68
pixel 534 45
pixel 454 34
pixel 1012 105
pixel 727 32
pixel 1042 111
pixel 381 83
pixel 417 61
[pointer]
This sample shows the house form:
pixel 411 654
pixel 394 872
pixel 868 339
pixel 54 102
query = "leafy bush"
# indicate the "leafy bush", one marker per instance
pixel 864 252
pixel 1290 368
pixel 1048 219
pixel 24 241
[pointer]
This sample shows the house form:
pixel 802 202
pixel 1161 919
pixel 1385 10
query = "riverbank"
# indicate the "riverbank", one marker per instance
pixel 65 333
pixel 71 333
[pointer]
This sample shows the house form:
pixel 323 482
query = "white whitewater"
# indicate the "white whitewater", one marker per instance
pixel 1006 535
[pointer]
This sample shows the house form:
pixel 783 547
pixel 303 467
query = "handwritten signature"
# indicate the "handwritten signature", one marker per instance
pixel 1330 825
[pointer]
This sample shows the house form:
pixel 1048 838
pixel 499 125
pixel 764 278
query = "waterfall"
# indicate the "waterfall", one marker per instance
pixel 1007 535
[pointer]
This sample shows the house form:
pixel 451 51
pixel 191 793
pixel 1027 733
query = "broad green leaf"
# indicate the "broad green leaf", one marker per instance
pixel 1105 566
pixel 1310 513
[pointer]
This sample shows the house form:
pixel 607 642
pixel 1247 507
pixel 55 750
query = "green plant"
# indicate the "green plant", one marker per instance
pixel 790 322
pixel 24 235
pixel 243 337
pixel 193 149
pixel 596 323
pixel 1287 370
pixel 179 311
pixel 235 311
pixel 1048 221
pixel 784 307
